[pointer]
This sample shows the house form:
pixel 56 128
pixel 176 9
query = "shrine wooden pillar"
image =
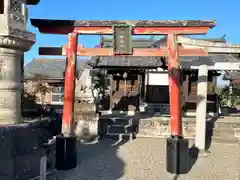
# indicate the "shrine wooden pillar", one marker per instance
pixel 139 83
pixel 185 91
pixel 143 86
pixel 111 92
pixel 69 86
pixel 174 86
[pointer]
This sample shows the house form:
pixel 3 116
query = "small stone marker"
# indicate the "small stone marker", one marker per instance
pixel 43 168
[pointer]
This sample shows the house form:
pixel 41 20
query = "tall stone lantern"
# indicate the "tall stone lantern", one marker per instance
pixel 14 41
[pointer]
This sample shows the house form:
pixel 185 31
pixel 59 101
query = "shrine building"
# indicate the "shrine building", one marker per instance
pixel 141 83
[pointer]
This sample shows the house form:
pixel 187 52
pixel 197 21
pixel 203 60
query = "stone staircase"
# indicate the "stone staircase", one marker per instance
pixel 156 108
pixel 118 128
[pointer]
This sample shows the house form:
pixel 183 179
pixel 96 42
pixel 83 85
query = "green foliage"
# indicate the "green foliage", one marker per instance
pixel 227 95
pixel 30 100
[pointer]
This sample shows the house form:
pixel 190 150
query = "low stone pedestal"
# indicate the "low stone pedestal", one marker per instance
pixel 223 129
pixel 86 122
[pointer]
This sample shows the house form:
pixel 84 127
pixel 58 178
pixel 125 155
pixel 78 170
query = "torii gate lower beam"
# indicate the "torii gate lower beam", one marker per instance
pixel 177 147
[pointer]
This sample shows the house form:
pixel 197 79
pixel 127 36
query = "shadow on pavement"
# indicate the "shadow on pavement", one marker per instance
pixel 193 156
pixel 209 131
pixel 96 161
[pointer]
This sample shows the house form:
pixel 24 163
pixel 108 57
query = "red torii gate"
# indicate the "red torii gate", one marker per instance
pixel 176 145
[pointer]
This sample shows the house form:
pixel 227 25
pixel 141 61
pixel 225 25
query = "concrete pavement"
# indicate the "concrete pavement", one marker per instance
pixel 144 159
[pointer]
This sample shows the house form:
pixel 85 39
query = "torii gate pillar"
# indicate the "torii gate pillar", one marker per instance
pixel 202 87
pixel 177 146
pixel 66 144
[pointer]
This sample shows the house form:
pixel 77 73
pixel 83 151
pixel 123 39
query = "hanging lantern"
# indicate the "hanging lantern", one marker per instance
pixel 125 75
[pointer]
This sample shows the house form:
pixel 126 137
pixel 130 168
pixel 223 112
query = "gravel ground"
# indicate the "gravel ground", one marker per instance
pixel 144 159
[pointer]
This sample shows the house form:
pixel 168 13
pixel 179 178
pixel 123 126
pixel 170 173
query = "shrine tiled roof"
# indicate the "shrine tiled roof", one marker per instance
pixel 231 76
pixel 50 68
pixel 154 62
pixel 32 2
pixel 136 23
pixel 123 61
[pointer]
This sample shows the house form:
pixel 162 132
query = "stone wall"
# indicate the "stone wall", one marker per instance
pixel 22 148
pixel 159 127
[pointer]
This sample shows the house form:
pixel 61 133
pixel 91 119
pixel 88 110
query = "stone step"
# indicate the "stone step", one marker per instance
pixel 121 136
pixel 121 121
pixel 113 122
pixel 121 129
pixel 157 109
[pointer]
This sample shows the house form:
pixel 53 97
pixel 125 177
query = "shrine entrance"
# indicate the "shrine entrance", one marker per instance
pixel 122 46
pixel 125 91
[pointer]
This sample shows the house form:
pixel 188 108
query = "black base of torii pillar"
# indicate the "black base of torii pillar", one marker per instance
pixel 177 156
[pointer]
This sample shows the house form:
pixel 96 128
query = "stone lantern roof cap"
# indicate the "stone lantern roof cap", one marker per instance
pixel 32 2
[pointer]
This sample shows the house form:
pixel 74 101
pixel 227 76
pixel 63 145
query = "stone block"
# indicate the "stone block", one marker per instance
pixel 50 153
pixel 28 166
pixel 86 129
pixel 86 121
pixel 237 133
pixel 188 129
pixel 21 149
pixel 7 168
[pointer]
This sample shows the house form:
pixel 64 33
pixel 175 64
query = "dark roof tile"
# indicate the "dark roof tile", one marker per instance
pixel 50 68
pixel 123 61
pixel 152 62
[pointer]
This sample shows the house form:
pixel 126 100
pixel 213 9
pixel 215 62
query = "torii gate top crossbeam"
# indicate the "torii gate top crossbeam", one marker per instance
pixel 139 27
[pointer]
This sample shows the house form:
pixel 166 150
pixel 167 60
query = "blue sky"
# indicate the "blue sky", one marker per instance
pixel 226 13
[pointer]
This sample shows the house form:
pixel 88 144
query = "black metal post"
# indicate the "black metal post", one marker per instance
pixel 66 154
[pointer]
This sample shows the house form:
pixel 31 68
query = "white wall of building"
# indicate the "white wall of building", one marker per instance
pixel 157 77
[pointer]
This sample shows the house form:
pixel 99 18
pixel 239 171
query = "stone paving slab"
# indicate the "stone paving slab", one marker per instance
pixel 144 159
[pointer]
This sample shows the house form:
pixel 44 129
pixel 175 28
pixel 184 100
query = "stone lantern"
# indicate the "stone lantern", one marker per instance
pixel 14 41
